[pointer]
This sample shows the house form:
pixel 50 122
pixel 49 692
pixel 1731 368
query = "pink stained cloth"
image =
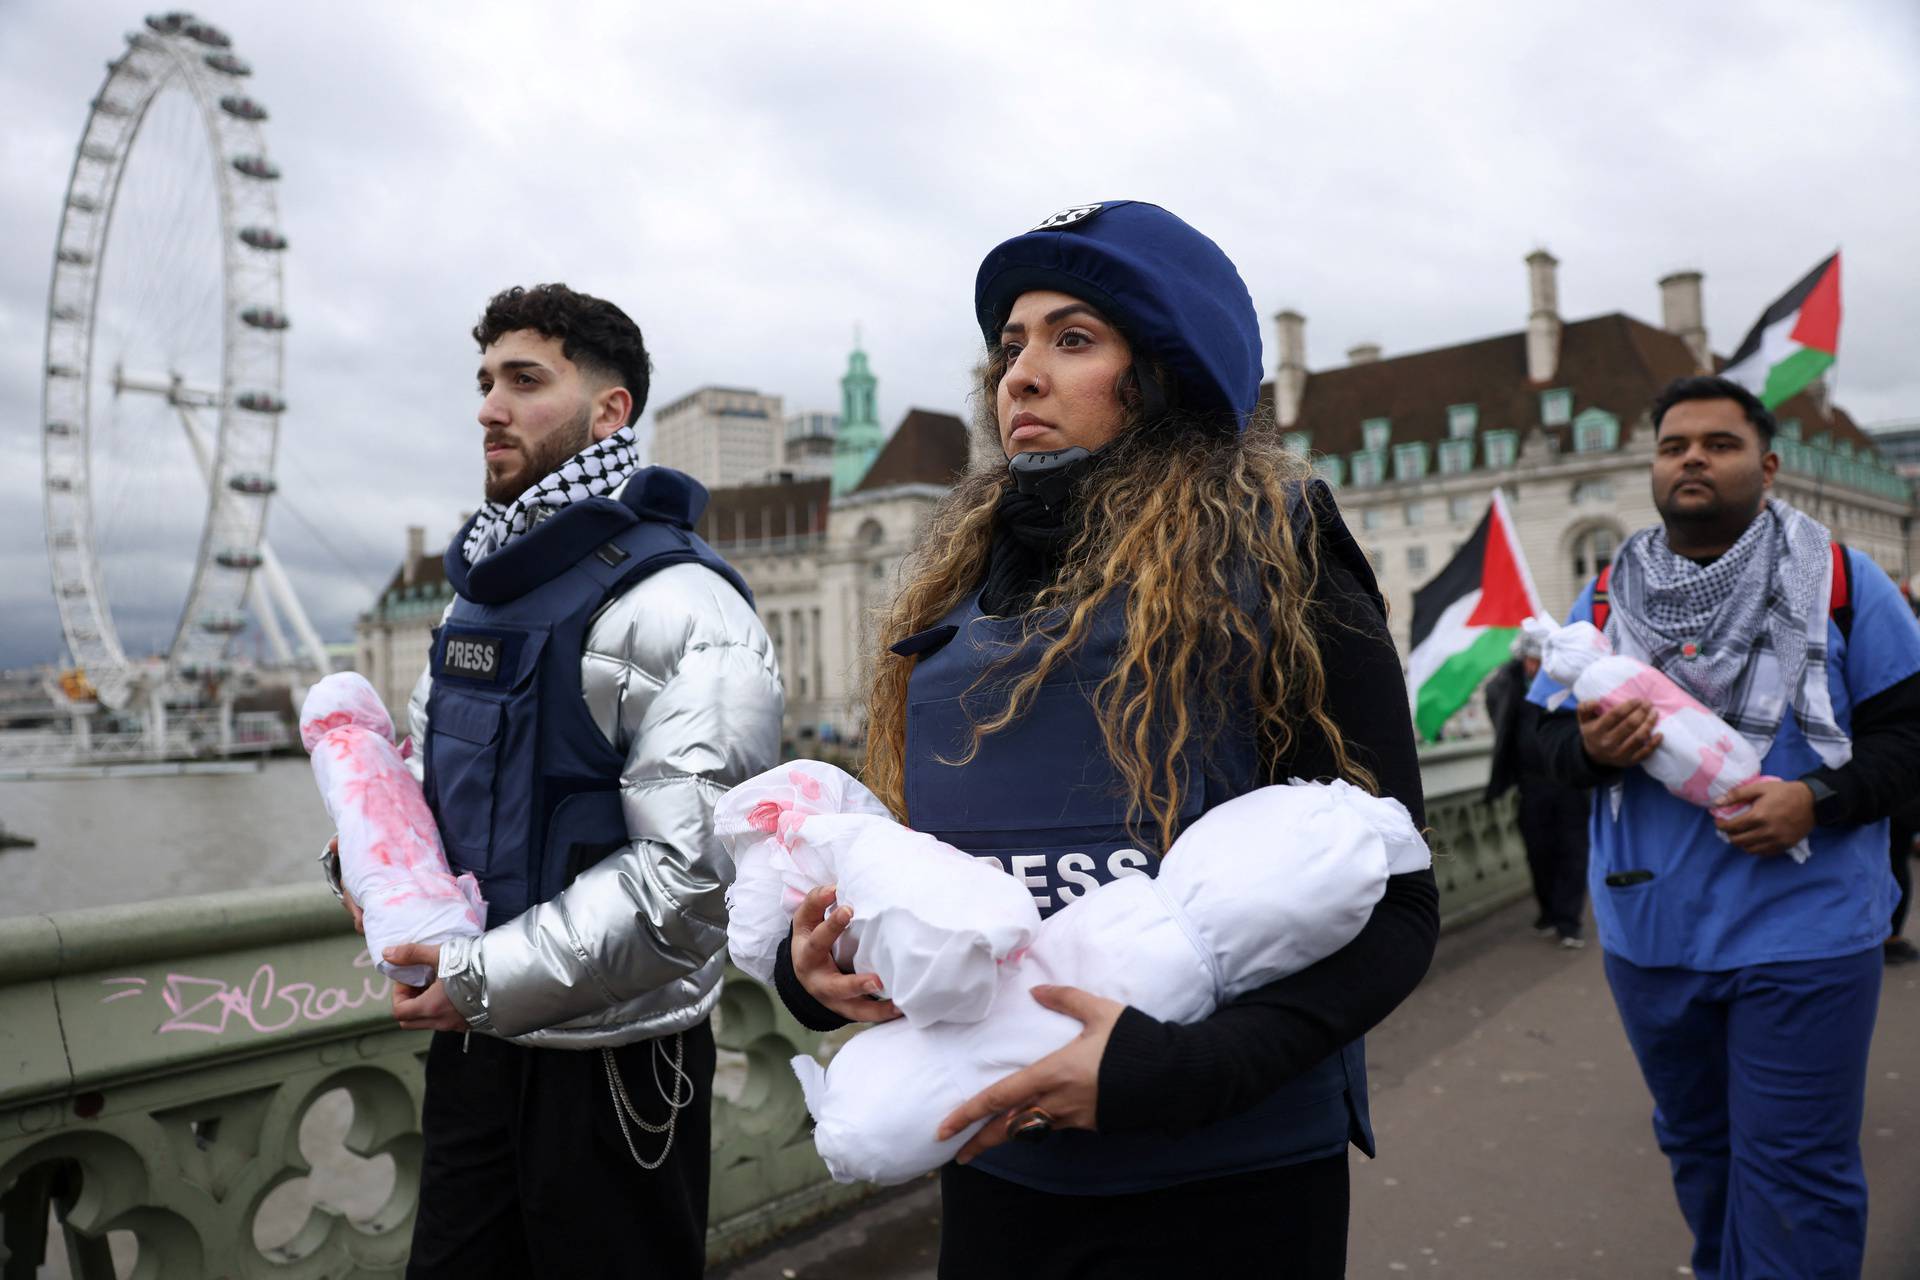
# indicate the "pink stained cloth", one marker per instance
pixel 391 859
pixel 1700 758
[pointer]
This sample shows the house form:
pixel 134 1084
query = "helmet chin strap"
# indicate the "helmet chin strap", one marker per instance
pixel 1049 475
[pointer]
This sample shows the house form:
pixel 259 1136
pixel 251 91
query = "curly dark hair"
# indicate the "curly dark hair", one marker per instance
pixel 1713 387
pixel 593 333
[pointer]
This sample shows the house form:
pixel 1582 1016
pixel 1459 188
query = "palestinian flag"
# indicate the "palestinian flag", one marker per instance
pixel 1794 342
pixel 1465 619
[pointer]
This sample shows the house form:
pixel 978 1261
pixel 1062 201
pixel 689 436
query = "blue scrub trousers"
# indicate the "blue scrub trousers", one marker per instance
pixel 1759 1080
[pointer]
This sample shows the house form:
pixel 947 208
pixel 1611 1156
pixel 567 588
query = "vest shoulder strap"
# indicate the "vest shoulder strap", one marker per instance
pixel 646 549
pixel 1839 600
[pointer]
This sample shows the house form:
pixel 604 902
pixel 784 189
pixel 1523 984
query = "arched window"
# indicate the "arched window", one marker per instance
pixel 1593 551
pixel 869 534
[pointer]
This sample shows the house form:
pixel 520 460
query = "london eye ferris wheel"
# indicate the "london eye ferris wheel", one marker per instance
pixel 166 320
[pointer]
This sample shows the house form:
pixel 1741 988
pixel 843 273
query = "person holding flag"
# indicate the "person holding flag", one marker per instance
pixel 1466 622
pixel 1748 982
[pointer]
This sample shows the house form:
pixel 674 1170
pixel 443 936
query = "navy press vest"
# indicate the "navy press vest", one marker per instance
pixel 1042 798
pixel 524 785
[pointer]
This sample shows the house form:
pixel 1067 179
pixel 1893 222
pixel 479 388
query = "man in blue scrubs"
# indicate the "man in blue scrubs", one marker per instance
pixel 1746 971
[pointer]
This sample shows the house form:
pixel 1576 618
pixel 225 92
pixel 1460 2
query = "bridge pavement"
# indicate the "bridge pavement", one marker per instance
pixel 1514 1138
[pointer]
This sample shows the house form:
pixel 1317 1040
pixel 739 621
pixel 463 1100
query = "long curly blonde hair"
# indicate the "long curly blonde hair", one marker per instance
pixel 1185 522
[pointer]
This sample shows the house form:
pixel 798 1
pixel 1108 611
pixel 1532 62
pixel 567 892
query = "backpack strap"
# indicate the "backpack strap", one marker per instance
pixel 1840 599
pixel 1600 606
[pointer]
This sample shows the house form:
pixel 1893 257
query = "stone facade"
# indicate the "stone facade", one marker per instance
pixel 822 567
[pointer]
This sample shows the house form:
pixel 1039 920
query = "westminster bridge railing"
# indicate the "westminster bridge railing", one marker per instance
pixel 160 1061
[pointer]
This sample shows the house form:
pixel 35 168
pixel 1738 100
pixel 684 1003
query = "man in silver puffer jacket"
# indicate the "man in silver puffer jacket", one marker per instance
pixel 600 679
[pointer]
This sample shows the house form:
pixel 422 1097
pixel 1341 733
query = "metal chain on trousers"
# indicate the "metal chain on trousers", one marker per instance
pixel 679 1096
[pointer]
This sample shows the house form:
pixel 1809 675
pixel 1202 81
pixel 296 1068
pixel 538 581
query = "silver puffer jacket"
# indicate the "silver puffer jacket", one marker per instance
pixel 680 676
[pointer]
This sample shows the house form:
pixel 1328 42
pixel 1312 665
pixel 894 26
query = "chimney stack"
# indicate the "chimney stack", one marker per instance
pixel 1290 381
pixel 1682 313
pixel 416 551
pixel 1543 320
pixel 1364 353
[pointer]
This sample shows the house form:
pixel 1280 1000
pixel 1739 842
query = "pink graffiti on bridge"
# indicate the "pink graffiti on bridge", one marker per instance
pixel 264 1004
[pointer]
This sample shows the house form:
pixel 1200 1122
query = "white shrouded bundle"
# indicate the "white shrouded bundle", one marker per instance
pixel 930 921
pixel 391 860
pixel 1256 889
pixel 1700 757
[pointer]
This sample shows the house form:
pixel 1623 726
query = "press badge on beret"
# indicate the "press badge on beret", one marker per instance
pixel 1067 217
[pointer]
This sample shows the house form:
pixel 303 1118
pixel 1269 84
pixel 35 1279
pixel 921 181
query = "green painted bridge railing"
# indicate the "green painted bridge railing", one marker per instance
pixel 162 1063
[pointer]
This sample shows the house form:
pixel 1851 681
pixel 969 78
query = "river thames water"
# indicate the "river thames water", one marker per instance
pixel 102 841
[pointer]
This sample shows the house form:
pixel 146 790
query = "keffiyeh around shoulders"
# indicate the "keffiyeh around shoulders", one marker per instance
pixel 597 471
pixel 1745 634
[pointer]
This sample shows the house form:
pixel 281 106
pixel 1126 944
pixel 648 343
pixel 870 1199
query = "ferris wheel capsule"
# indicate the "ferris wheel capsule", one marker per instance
pixel 208 34
pixel 243 108
pixel 254 483
pixel 222 624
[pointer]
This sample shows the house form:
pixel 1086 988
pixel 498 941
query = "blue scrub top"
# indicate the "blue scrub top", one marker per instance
pixel 1710 906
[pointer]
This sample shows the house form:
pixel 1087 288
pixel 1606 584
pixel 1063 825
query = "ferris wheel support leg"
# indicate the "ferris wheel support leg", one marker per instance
pixel 269 621
pixel 282 592
pixel 156 723
pixel 279 591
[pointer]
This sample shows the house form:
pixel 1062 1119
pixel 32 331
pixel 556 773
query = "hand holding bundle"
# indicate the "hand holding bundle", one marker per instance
pixel 390 855
pixel 932 922
pixel 1700 757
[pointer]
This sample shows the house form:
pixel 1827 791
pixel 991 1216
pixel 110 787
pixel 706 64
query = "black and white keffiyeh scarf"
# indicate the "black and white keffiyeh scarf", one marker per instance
pixel 597 471
pixel 1747 634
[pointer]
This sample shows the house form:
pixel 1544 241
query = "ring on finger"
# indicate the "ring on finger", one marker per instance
pixel 1029 1124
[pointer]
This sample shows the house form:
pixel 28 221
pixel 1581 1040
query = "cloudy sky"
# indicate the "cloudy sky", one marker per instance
pixel 753 180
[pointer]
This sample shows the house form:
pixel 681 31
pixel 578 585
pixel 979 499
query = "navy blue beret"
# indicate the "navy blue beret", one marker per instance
pixel 1168 288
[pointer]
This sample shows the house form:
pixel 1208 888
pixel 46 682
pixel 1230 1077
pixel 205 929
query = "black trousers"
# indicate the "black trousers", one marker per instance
pixel 1553 826
pixel 525 1172
pixel 1902 851
pixel 1284 1224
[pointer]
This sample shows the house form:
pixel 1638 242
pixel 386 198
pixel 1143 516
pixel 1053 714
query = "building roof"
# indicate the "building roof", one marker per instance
pixel 926 448
pixel 429 576
pixel 755 512
pixel 1612 362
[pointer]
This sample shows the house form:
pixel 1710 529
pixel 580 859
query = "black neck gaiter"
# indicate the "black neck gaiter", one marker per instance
pixel 1029 538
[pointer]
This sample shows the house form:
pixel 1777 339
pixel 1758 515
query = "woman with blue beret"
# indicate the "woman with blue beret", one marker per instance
pixel 1147 608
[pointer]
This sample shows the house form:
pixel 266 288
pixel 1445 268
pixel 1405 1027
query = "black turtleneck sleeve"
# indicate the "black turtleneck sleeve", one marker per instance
pixel 1172 1077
